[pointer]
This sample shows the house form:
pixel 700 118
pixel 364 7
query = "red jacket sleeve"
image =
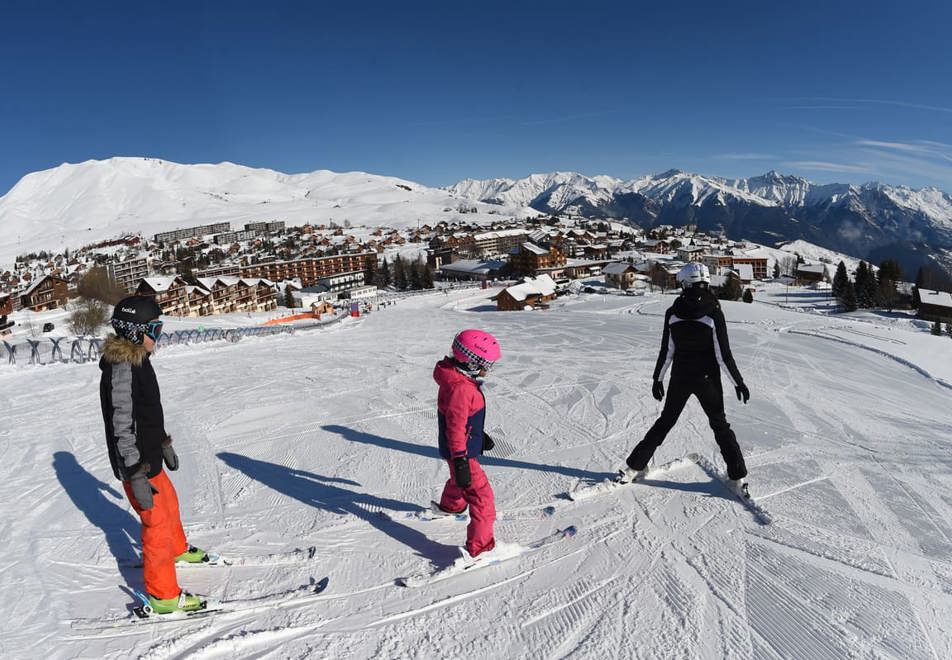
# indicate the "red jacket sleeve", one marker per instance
pixel 456 413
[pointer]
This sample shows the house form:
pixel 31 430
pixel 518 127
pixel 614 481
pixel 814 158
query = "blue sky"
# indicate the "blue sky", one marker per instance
pixel 436 92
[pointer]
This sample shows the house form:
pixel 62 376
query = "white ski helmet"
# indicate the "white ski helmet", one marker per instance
pixel 694 274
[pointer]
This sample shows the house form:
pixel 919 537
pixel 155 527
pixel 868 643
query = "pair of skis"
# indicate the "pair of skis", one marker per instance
pixel 143 614
pixel 436 513
pixel 213 559
pixel 760 514
pixel 502 552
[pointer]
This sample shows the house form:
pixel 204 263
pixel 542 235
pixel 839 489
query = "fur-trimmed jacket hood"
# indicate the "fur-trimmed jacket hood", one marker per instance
pixel 117 350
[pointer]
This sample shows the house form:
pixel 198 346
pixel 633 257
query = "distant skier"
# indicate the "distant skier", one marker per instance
pixel 461 409
pixel 695 340
pixel 138 445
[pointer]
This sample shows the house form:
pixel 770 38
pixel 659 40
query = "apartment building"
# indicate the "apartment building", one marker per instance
pixel 312 269
pixel 128 272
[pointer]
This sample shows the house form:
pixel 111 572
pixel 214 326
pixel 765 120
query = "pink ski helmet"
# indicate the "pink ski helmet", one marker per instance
pixel 477 349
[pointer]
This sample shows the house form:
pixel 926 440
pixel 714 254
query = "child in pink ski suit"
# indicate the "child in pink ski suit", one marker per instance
pixel 461 410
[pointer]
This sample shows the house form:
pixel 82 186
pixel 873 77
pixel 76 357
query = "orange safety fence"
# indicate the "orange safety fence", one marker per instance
pixel 288 319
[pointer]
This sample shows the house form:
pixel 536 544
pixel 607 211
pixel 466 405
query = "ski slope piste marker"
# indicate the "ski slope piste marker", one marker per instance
pixel 499 554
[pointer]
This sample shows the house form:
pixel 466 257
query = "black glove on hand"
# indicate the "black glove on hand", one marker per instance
pixel 461 468
pixel 743 394
pixel 657 390
pixel 488 443
pixel 141 488
pixel 169 455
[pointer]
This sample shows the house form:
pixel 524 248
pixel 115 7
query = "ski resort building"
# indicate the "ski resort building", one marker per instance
pixel 49 292
pixel 212 295
pixel 128 272
pixel 171 294
pixel 529 258
pixel 532 292
pixel 310 270
pixel 812 273
pixel 473 269
pixel 190 232
pixel 934 305
pixel 6 308
pixel 622 275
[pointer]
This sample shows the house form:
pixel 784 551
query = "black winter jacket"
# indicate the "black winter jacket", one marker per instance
pixel 131 408
pixel 695 338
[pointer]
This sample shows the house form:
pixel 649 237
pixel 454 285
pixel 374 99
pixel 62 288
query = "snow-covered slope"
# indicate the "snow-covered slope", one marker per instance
pixel 73 205
pixel 846 439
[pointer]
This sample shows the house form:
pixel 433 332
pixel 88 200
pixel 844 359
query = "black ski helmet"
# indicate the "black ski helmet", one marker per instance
pixel 131 317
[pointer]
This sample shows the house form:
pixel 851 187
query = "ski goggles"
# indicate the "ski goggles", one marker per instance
pixel 153 330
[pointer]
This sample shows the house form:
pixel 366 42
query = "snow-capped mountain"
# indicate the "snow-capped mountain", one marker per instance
pixel 872 221
pixel 76 204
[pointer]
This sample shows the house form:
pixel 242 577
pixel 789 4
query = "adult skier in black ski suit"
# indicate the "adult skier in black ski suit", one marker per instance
pixel 694 343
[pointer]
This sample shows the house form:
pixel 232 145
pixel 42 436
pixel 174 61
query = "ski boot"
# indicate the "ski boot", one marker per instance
pixel 184 602
pixel 739 488
pixel 192 555
pixel 440 511
pixel 628 474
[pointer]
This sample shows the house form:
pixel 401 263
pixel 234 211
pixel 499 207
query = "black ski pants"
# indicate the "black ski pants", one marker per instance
pixel 707 388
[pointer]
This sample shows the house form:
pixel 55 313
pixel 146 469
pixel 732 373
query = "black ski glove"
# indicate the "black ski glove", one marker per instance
pixel 141 488
pixel 488 443
pixel 743 394
pixel 169 455
pixel 461 469
pixel 657 390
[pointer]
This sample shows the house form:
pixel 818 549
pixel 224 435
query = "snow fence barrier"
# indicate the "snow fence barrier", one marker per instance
pixel 64 350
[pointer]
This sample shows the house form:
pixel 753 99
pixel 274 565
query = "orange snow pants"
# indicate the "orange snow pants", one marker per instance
pixel 482 507
pixel 163 538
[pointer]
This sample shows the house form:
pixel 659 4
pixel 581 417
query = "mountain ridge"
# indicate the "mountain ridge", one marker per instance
pixel 872 220
pixel 74 204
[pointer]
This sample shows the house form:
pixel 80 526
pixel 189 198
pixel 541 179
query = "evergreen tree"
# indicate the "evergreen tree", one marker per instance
pixel 848 299
pixel 731 289
pixel 840 280
pixel 776 269
pixel 399 273
pixel 748 295
pixel 414 280
pixel 872 288
pixel 382 275
pixel 937 328
pixel 862 286
pixel 890 269
pixel 887 295
pixel 427 276
pixel 288 297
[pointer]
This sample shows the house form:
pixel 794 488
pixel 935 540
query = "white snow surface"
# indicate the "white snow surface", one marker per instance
pixel 302 440
pixel 77 204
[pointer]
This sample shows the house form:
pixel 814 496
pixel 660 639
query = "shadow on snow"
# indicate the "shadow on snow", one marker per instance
pixel 327 494
pixel 89 495
pixel 430 451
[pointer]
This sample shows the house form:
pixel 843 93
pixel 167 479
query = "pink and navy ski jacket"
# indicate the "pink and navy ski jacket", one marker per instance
pixel 461 409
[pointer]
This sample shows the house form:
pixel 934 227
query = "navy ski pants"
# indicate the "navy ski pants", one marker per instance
pixel 707 388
